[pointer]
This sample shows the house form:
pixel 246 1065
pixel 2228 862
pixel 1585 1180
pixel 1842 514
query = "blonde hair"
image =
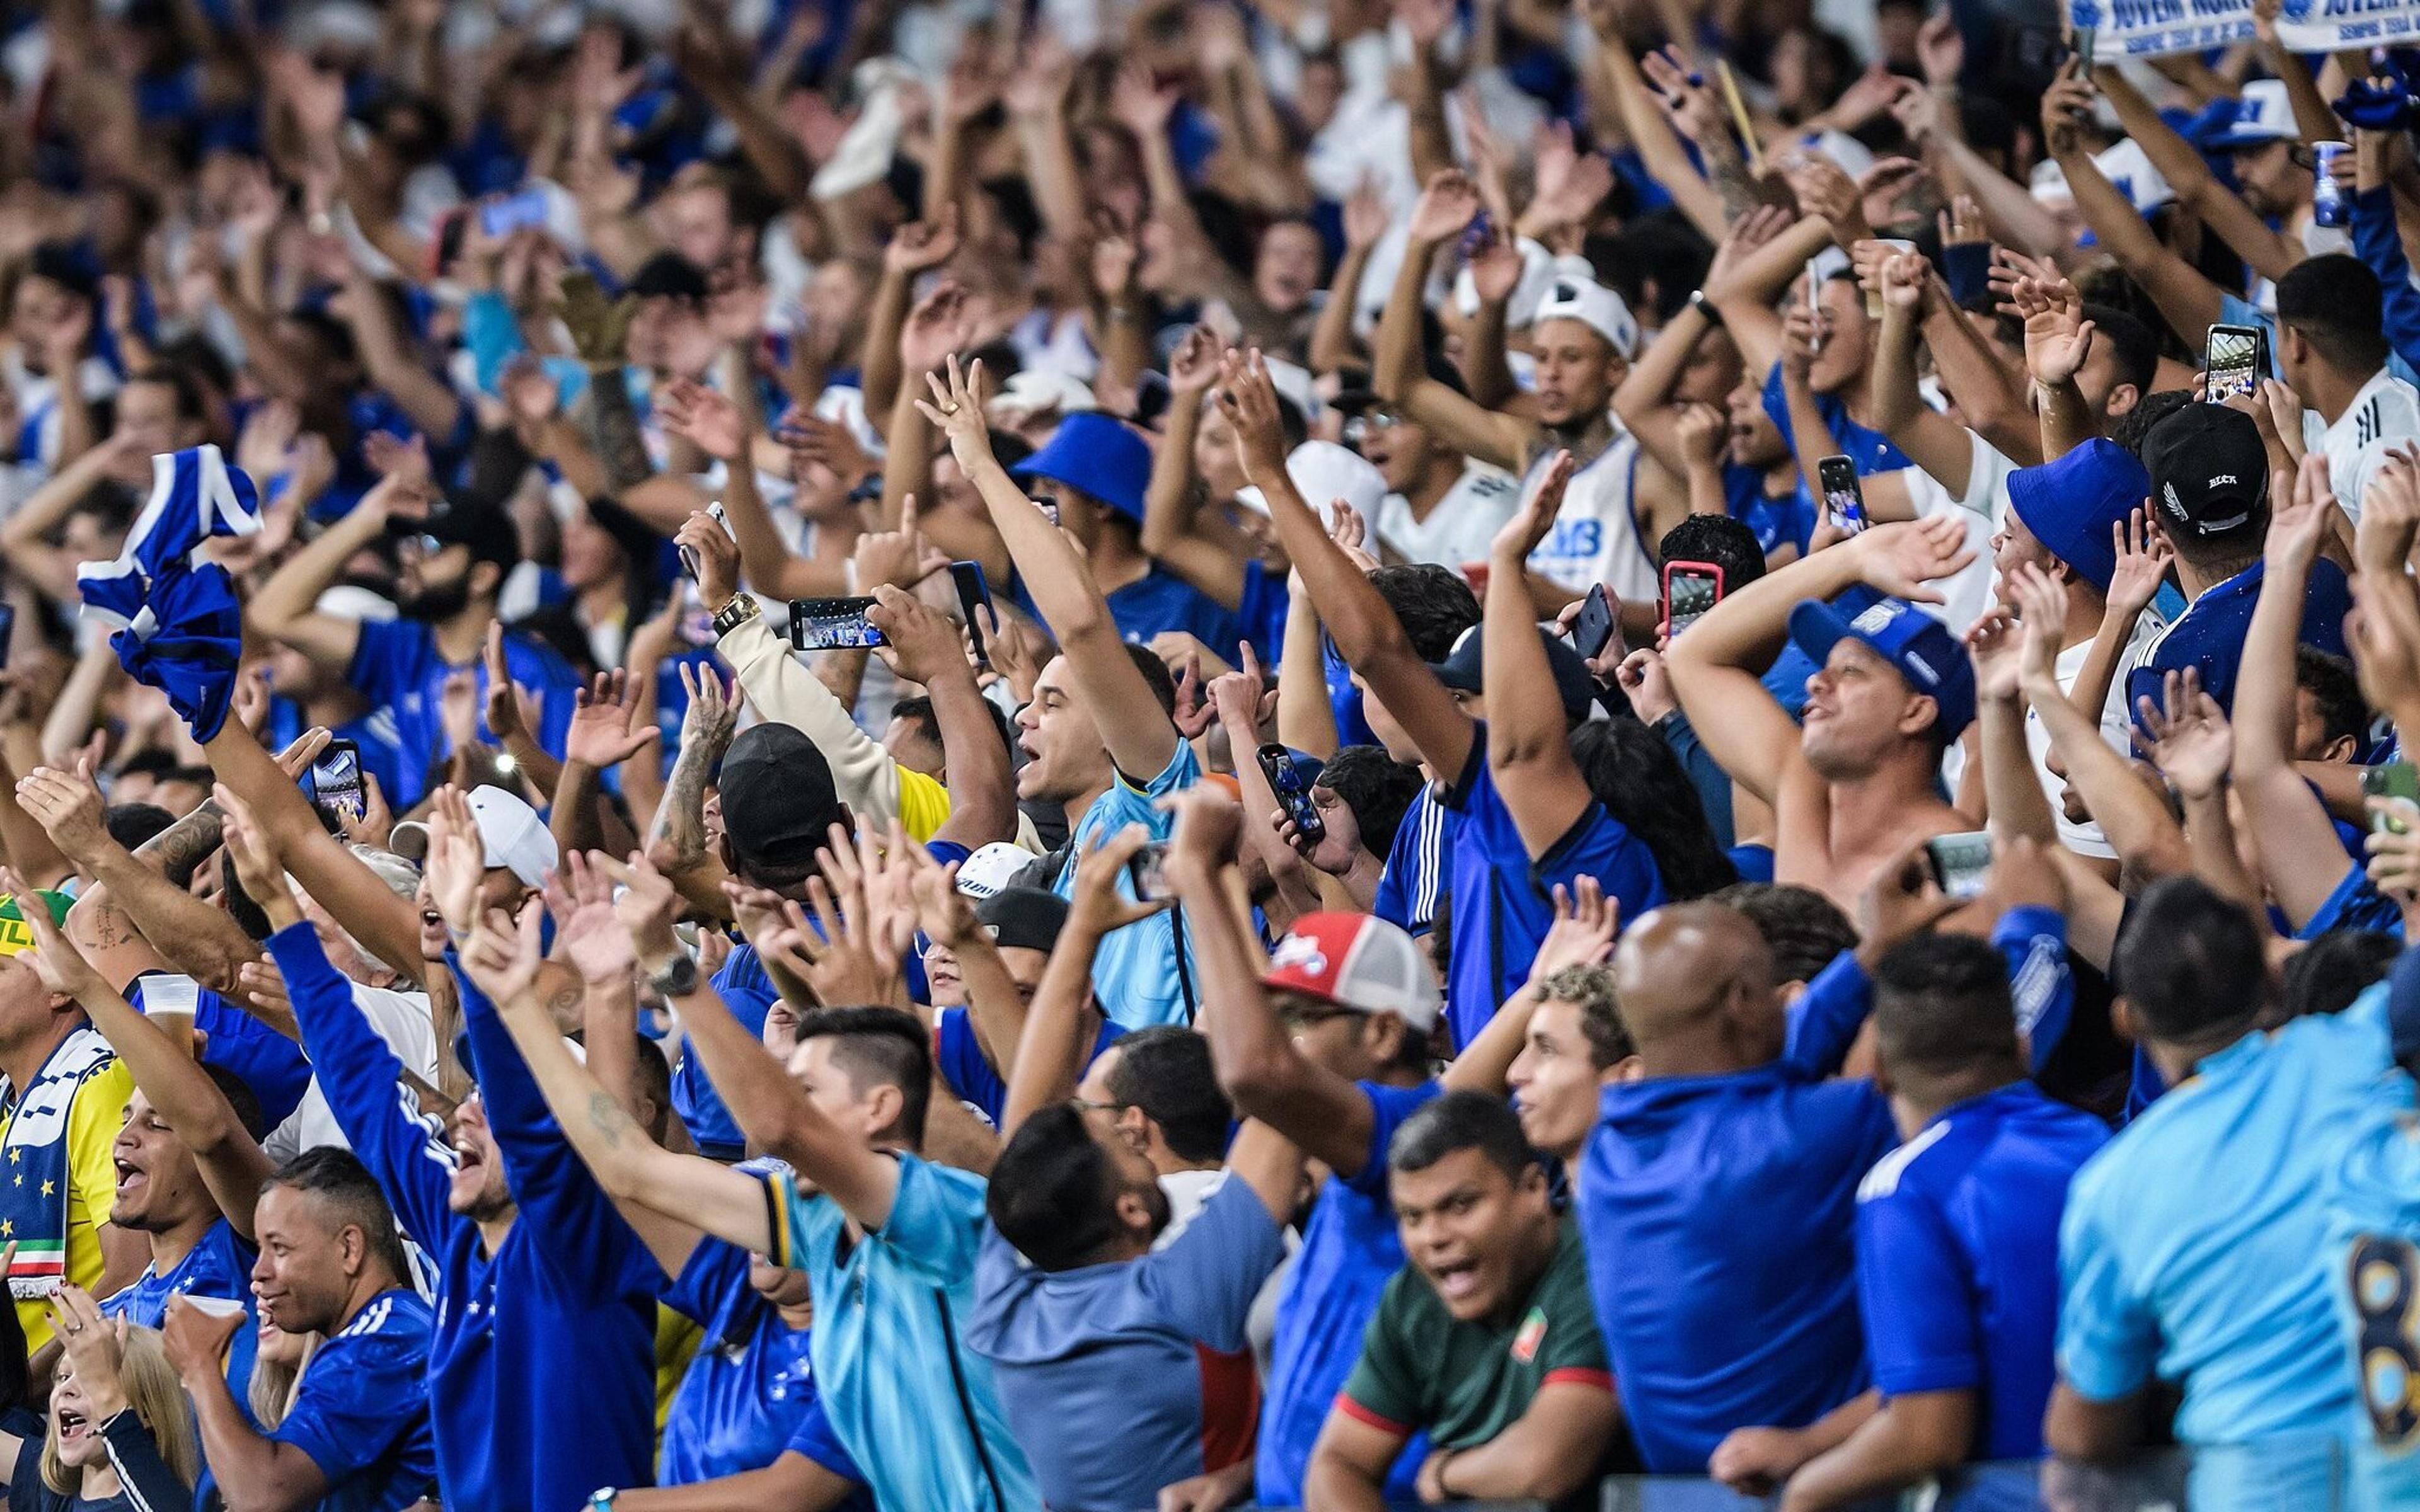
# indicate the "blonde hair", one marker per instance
pixel 274 1384
pixel 152 1391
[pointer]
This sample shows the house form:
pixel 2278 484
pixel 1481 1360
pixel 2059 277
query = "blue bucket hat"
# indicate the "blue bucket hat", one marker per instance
pixel 1098 457
pixel 2070 503
pixel 1922 647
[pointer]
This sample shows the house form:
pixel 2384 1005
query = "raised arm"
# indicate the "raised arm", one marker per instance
pixel 2221 210
pixel 1356 616
pixel 627 1163
pixel 1258 1064
pixel 1140 739
pixel 285 608
pixel 2188 302
pixel 1932 440
pixel 1445 209
pixel 925 648
pixel 1528 733
pixel 2290 828
pixel 772 1109
pixel 1172 526
pixel 1049 1056
pixel 182 1094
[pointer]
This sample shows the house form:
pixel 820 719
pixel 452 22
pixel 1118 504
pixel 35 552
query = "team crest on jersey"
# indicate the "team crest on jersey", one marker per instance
pixel 1533 1337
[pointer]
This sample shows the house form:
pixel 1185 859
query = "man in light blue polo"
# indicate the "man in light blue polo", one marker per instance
pixel 2194 1247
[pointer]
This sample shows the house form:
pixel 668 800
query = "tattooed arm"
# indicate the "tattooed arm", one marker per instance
pixel 676 842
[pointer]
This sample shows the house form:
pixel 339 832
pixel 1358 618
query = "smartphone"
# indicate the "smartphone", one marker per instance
pixel 832 625
pixel 2085 38
pixel 1690 589
pixel 1475 236
pixel 2235 360
pixel 513 213
pixel 1150 870
pixel 1294 793
pixel 1598 625
pixel 714 511
pixel 336 788
pixel 2394 779
pixel 1844 502
pixel 1960 863
pixel 973 590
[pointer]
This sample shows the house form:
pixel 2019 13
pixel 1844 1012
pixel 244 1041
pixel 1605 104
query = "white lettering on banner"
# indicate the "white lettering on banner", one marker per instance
pixel 2155 28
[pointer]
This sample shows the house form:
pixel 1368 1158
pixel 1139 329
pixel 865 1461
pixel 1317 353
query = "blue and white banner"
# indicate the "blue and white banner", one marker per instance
pixel 2154 28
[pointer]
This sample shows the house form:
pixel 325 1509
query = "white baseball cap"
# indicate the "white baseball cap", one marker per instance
pixel 991 868
pixel 513 836
pixel 1323 472
pixel 1594 306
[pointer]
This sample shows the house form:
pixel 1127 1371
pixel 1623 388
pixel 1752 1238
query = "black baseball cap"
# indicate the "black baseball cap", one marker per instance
pixel 1023 919
pixel 1465 665
pixel 2209 473
pixel 777 798
pixel 485 528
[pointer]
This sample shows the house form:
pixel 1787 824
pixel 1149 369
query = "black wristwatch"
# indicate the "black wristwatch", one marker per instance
pixel 1705 306
pixel 676 978
pixel 743 608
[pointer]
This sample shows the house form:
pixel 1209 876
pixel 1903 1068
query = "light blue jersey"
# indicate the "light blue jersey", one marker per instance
pixel 1137 977
pixel 2194 1251
pixel 2374 1254
pixel 913 1405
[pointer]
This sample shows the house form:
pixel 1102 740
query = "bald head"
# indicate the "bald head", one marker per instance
pixel 1697 980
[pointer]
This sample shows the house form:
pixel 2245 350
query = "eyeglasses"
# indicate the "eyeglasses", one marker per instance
pixel 1368 422
pixel 1083 1104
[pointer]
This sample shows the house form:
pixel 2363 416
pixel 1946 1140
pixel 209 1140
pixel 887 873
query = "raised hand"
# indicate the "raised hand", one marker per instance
pixel 1535 519
pixel 501 955
pixel 62 967
pixel 2191 742
pixel 1193 368
pixel 67 805
pixel 901 558
pixel 599 327
pixel 258 865
pixel 1582 934
pixel 1097 906
pixel 709 421
pixel 1994 642
pixel 2042 601
pixel 1448 206
pixel 581 898
pixel 647 905
pixel 600 735
pixel 917 645
pixel 457 859
pixel 921 245
pixel 1249 399
pixel 2144 556
pixel 2057 337
pixel 956 409
pixel 2301 509
pixel 942 322
pixel 714 556
pixel 1903 559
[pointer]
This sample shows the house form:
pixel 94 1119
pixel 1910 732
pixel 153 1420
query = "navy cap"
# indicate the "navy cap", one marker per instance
pixel 1465 665
pixel 1922 647
pixel 1098 457
pixel 1027 919
pixel 2070 503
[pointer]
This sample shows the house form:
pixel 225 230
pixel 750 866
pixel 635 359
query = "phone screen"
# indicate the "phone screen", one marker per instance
pixel 2233 362
pixel 1150 867
pixel 336 780
pixel 1844 502
pixel 502 217
pixel 1688 596
pixel 2394 779
pixel 1294 793
pixel 832 625
pixel 1960 863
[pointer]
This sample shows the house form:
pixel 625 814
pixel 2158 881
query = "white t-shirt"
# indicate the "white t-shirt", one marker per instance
pixel 2385 414
pixel 404 1021
pixel 1595 538
pixel 1968 595
pixel 1462 525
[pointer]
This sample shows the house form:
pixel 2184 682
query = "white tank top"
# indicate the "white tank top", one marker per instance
pixel 1595 538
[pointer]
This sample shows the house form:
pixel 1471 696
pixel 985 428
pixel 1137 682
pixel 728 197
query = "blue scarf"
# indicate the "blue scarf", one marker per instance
pixel 33 1198
pixel 181 628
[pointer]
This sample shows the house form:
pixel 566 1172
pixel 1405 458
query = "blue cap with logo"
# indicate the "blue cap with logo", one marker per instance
pixel 1098 457
pixel 2071 502
pixel 1922 647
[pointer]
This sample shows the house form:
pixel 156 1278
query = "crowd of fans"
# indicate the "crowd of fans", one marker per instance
pixel 1173 754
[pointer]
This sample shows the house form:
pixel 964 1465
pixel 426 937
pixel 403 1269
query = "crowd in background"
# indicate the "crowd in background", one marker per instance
pixel 1172 754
